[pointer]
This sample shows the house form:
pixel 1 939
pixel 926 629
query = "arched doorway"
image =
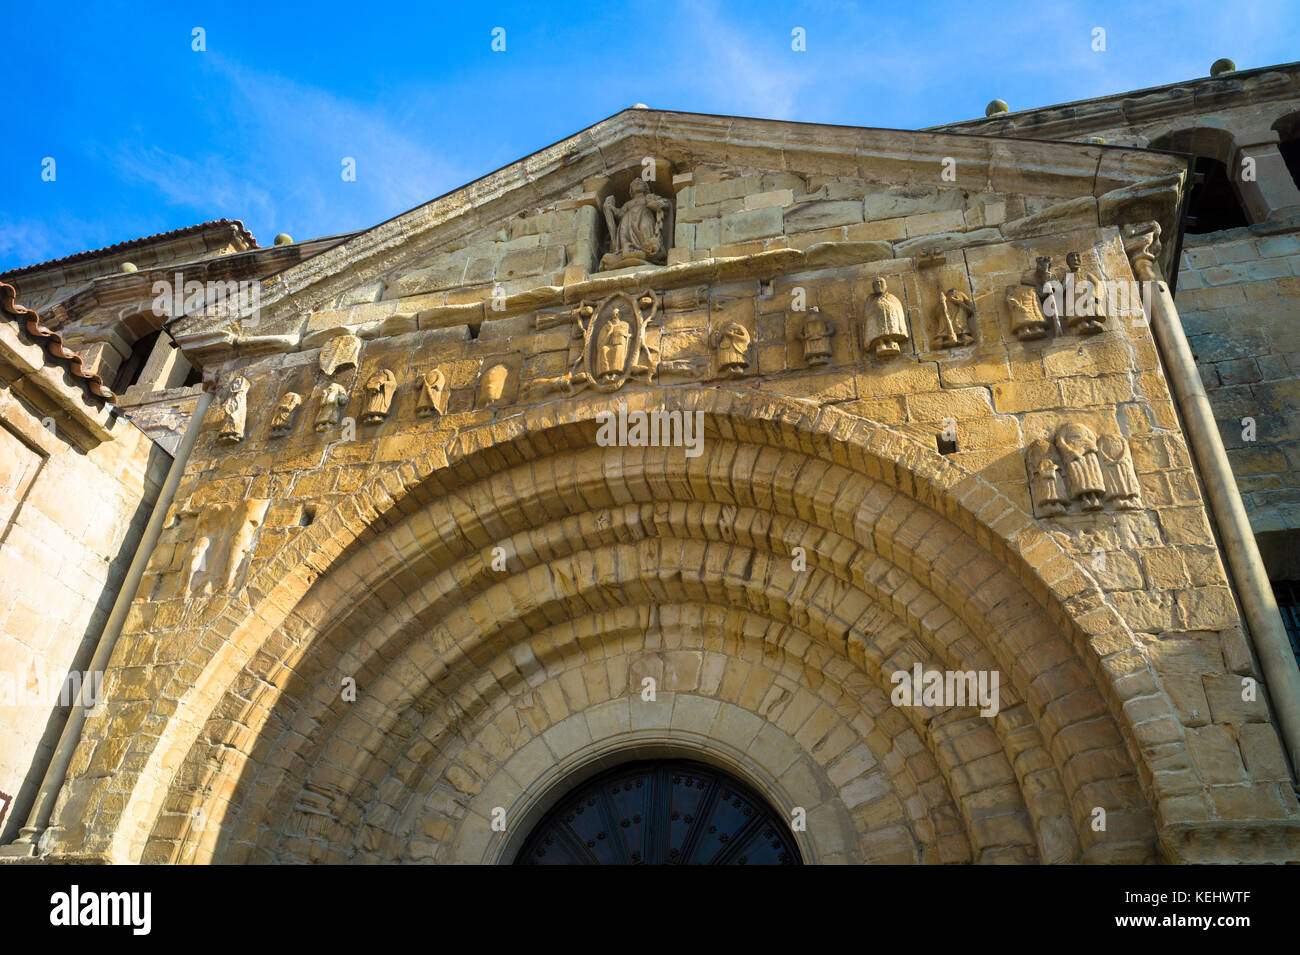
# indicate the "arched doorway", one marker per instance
pixel 661 812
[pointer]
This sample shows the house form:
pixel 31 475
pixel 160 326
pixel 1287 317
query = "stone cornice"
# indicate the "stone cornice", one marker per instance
pixel 1175 100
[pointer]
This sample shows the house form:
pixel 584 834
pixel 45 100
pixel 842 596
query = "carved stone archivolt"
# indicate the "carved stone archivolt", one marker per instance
pixel 433 394
pixel 286 410
pixel 234 409
pixel 884 321
pixel 380 388
pixel 333 398
pixel 638 229
pixel 1075 467
pixel 615 345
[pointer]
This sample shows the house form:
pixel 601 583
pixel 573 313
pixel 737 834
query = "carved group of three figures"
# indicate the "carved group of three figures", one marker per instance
pixel 339 354
pixel 1080 467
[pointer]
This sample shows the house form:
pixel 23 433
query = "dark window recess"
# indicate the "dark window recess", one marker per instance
pixel 663 812
pixel 1288 601
pixel 1288 136
pixel 946 446
pixel 129 372
pixel 1213 205
pixel 194 377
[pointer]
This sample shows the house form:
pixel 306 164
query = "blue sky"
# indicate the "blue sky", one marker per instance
pixel 149 135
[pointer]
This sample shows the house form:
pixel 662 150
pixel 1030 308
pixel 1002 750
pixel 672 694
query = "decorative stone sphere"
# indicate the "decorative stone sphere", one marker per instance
pixel 997 106
pixel 1222 66
pixel 129 267
pixel 284 239
pixel 640 106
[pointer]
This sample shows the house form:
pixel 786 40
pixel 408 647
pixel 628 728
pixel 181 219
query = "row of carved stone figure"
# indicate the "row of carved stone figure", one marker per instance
pixel 379 391
pixel 1077 296
pixel 1079 467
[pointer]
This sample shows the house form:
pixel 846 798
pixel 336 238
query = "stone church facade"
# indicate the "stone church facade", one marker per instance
pixel 725 449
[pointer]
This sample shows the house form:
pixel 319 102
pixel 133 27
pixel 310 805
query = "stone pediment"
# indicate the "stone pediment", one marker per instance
pixel 557 226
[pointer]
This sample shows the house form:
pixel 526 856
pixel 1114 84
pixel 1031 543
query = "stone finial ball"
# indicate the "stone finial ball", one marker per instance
pixel 640 106
pixel 284 239
pixel 129 267
pixel 1222 66
pixel 997 106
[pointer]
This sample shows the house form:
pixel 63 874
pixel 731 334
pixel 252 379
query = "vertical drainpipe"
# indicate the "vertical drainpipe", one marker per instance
pixel 27 842
pixel 1264 621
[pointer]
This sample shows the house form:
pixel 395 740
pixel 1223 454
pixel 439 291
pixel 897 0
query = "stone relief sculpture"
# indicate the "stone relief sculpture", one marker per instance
pixel 884 321
pixel 1045 482
pixel 1117 471
pixel 956 309
pixel 380 388
pixel 1087 312
pixel 223 537
pixel 1027 319
pixel 1078 447
pixel 234 409
pixel 332 401
pixel 339 353
pixel 433 394
pixel 816 337
pixel 615 344
pixel 1077 466
pixel 286 410
pixel 636 229
pixel 492 386
pixel 732 348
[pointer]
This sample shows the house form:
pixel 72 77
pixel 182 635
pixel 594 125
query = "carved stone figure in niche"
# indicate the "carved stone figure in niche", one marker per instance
pixel 1027 319
pixel 885 321
pixel 612 342
pixel 636 229
pixel 234 409
pixel 956 309
pixel 1045 481
pixel 733 349
pixel 1078 447
pixel 1117 471
pixel 615 344
pixel 339 353
pixel 433 394
pixel 492 385
pixel 286 409
pixel 816 335
pixel 331 406
pixel 1087 312
pixel 380 388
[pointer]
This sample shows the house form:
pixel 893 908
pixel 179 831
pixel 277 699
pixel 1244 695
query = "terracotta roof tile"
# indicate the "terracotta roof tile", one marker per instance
pixel 143 240
pixel 52 342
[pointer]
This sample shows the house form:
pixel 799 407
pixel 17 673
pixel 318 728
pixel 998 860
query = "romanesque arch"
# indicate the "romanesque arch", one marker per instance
pixel 480 690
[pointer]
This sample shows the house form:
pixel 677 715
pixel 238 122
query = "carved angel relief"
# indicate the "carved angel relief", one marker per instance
pixel 732 346
pixel 223 538
pixel 334 397
pixel 1078 467
pixel 816 337
pixel 614 344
